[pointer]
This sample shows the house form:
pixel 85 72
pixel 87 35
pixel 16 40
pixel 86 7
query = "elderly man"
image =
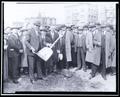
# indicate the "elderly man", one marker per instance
pixel 33 41
pixel 14 50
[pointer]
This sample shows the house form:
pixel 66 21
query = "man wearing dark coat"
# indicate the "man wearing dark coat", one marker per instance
pixel 53 36
pixel 33 43
pixel 14 50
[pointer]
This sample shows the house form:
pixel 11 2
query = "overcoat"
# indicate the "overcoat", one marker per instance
pixel 97 47
pixel 24 62
pixel 5 60
pixel 108 49
pixel 68 40
pixel 113 57
pixel 89 46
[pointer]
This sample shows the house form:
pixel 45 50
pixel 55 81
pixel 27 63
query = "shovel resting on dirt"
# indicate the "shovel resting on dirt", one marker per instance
pixel 47 52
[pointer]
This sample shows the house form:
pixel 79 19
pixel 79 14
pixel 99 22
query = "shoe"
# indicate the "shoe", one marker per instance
pixel 78 69
pixel 84 69
pixel 104 77
pixel 32 81
pixel 92 76
pixel 39 78
pixel 112 74
pixel 15 81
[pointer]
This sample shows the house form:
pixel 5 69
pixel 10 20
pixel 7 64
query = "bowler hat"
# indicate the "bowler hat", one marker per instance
pixel 97 24
pixel 110 26
pixel 24 29
pixel 37 23
pixel 15 28
pixel 85 26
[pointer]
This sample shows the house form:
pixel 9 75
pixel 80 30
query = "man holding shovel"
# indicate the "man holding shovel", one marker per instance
pixel 33 42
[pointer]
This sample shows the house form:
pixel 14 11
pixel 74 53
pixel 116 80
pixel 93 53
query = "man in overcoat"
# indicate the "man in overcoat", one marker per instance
pixel 68 41
pixel 96 50
pixel 14 50
pixel 89 46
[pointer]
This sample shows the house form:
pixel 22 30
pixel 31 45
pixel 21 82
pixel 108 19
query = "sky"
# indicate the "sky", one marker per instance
pixel 18 11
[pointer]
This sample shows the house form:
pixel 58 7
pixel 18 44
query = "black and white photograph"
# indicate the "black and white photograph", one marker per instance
pixel 66 47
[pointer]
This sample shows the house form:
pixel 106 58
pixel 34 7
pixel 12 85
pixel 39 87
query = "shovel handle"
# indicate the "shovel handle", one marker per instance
pixel 60 36
pixel 55 42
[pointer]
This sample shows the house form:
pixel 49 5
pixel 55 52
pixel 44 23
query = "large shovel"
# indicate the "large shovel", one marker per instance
pixel 47 52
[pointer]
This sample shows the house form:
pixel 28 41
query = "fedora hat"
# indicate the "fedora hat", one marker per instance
pixel 24 29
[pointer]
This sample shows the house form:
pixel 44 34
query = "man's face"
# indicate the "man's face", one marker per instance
pixel 43 33
pixel 107 29
pixel 98 27
pixel 75 30
pixel 15 31
pixel 90 29
pixel 80 31
pixel 36 27
pixel 85 29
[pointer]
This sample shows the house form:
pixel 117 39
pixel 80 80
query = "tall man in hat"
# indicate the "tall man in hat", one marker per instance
pixel 96 50
pixel 14 50
pixel 62 55
pixel 89 47
pixel 73 46
pixel 33 41
pixel 54 35
pixel 68 41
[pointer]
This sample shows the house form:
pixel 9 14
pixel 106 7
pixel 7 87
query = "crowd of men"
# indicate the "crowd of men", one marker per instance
pixel 89 47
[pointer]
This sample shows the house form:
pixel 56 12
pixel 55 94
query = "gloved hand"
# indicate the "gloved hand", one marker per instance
pixel 60 56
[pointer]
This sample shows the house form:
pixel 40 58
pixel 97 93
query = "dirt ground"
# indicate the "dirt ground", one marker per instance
pixel 75 81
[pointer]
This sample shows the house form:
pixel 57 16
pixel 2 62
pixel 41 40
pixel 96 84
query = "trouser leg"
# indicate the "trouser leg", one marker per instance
pixel 83 58
pixel 15 66
pixel 31 66
pixel 103 69
pixel 94 70
pixel 10 67
pixel 78 58
pixel 68 64
pixel 39 67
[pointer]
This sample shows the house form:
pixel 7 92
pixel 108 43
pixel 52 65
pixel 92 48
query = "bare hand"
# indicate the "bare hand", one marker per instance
pixel 33 50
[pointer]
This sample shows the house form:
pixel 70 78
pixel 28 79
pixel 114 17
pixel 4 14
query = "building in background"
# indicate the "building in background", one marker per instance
pixel 81 14
pixel 86 13
pixel 44 20
pixel 107 15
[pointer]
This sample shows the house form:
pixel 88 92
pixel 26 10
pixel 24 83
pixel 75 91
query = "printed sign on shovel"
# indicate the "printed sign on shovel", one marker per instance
pixel 47 52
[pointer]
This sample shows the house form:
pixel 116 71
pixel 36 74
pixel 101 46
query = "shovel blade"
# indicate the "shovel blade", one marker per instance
pixel 45 53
